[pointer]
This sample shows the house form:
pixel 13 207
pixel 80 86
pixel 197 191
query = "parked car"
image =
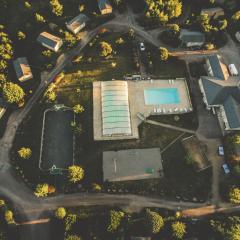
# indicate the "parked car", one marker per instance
pixel 142 46
pixel 233 70
pixel 220 151
pixel 226 168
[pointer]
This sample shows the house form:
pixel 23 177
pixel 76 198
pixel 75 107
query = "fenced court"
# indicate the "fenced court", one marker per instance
pixel 57 143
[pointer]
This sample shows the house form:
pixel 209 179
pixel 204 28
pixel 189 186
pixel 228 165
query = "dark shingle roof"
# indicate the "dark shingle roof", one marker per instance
pixel 216 66
pixel 189 36
pixel 232 111
pixel 218 90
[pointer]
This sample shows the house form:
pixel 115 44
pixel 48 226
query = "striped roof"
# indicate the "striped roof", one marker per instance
pixel 48 39
pixel 115 108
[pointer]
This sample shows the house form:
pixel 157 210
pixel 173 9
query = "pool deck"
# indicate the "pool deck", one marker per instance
pixel 137 104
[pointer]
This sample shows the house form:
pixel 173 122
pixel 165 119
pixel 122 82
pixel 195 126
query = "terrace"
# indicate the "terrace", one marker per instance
pixel 169 97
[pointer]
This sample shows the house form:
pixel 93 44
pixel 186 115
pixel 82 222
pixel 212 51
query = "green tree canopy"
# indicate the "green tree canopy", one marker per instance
pixel 154 221
pixel 70 219
pixel 57 8
pixel 8 215
pixel 163 54
pixel 178 230
pixel 25 153
pixel 72 237
pixel 78 109
pixel 39 18
pixel 75 173
pixel 21 35
pixel 163 11
pixel 41 190
pixel 60 213
pixel 234 195
pixel 106 49
pixel 13 93
pixel 115 220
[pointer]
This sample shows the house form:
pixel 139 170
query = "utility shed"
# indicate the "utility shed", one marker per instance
pixel 104 7
pixel 50 41
pixel 22 69
pixel 132 164
pixel 191 38
pixel 77 23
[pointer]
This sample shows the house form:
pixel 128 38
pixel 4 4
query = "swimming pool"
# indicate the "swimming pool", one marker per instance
pixel 155 96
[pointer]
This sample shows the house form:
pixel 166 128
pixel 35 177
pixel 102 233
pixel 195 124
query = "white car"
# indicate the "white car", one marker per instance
pixel 226 168
pixel 221 150
pixel 142 46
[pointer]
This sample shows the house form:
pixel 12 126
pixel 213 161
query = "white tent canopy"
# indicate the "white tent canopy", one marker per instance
pixel 115 108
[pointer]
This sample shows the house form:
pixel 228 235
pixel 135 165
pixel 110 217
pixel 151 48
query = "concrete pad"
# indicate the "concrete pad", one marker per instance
pixel 132 164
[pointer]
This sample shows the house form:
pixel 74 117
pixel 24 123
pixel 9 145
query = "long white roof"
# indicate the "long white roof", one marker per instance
pixel 115 108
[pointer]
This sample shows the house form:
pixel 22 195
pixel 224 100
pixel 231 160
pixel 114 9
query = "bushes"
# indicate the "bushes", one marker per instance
pixel 115 220
pixel 154 221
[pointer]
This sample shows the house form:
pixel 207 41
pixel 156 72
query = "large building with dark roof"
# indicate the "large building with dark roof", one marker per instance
pixel 216 68
pixel 221 93
pixel 191 38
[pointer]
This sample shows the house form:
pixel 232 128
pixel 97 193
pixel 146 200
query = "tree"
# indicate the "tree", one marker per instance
pixel 179 229
pixel 41 190
pixel 69 38
pixel 2 203
pixel 27 5
pixel 115 220
pixel 233 233
pixel 75 173
pixel 21 35
pixel 25 153
pixel 96 187
pixel 163 54
pixel 204 22
pixel 163 11
pixel 39 18
pixel 78 109
pixel 8 215
pixel 50 95
pixel 234 195
pixel 57 8
pixel 72 237
pixel 13 93
pixel 106 49
pixel 70 219
pixel 60 213
pixel 236 16
pixel 154 221
pixel 6 50
pixel 222 24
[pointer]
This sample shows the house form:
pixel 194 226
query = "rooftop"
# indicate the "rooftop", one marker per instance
pixel 22 68
pixel 77 22
pixel 132 164
pixel 191 36
pixel 48 39
pixel 219 69
pixel 104 4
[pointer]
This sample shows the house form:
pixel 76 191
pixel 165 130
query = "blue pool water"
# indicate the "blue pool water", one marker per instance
pixel 155 96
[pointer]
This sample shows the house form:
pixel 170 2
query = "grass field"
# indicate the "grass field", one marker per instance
pixel 57 140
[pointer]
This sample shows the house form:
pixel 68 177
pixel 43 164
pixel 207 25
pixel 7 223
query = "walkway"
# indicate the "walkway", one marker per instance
pixel 170 126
